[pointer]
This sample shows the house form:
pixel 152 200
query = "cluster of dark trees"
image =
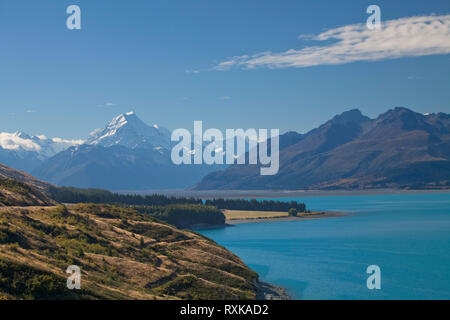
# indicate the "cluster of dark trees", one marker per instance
pixel 255 205
pixel 77 195
pixel 179 211
pixel 185 215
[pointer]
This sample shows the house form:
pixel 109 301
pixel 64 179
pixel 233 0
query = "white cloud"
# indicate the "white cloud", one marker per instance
pixel 11 141
pixel 19 141
pixel 191 71
pixel 68 142
pixel 404 37
pixel 225 98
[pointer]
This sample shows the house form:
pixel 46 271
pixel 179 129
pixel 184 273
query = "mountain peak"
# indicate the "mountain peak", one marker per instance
pixel 353 115
pixel 397 112
pixel 22 135
pixel 125 117
pixel 128 130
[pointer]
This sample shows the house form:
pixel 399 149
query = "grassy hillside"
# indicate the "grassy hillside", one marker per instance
pixel 15 193
pixel 122 254
pixel 10 173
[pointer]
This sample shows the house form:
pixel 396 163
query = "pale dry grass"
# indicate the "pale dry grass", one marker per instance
pixel 242 214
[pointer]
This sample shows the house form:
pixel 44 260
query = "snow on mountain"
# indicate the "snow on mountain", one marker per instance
pixel 129 131
pixel 18 141
pixel 22 143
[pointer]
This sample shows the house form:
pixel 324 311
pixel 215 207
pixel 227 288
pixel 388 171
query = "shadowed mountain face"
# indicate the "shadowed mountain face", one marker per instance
pixel 399 149
pixel 118 168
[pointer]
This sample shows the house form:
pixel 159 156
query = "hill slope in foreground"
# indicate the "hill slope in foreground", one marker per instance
pixel 122 255
pixel 18 188
pixel 21 176
pixel 15 193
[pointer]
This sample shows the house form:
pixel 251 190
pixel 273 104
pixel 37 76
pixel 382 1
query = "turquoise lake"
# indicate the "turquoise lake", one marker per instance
pixel 407 236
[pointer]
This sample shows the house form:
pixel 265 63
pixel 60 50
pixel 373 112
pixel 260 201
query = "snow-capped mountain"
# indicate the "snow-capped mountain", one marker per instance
pixel 129 131
pixel 25 152
pixel 126 155
pixel 44 147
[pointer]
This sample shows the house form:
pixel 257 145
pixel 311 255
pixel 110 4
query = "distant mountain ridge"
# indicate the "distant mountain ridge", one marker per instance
pixel 25 152
pixel 398 149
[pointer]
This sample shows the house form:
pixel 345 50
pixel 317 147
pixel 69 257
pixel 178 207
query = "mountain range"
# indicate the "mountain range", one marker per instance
pixel 127 154
pixel 398 149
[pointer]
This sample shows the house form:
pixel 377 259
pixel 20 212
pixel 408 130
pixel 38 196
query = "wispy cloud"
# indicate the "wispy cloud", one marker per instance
pixel 225 98
pixel 404 37
pixel 69 142
pixel 191 71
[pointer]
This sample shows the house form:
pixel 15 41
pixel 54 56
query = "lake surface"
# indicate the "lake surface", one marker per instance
pixel 407 236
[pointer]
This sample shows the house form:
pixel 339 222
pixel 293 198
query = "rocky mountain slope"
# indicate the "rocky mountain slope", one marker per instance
pixel 398 149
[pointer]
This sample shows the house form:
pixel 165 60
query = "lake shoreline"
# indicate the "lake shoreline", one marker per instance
pixel 311 257
pixel 310 216
pixel 257 194
pixel 235 222
pixel 269 291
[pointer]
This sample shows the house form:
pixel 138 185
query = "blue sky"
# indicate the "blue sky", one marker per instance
pixel 160 58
